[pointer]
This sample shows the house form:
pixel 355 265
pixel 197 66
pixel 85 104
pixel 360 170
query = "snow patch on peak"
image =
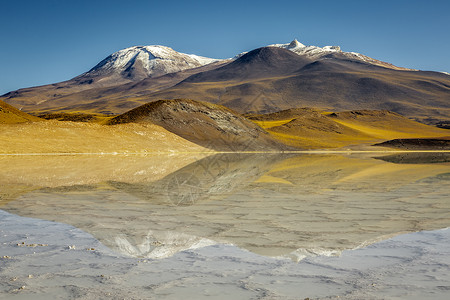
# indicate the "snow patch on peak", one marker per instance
pixel 203 60
pixel 292 45
pixel 332 48
pixel 295 44
pixel 313 52
pixel 148 61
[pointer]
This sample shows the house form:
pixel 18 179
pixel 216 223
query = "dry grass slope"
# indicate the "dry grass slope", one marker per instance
pixel 76 137
pixel 193 126
pixel 314 129
pixel 11 115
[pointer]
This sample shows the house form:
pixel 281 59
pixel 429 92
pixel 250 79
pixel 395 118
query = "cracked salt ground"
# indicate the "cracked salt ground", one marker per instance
pixel 411 266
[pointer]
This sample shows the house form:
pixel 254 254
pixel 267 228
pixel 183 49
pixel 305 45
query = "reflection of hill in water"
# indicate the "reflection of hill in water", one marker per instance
pixel 213 177
pixel 22 174
pixel 415 158
pixel 275 205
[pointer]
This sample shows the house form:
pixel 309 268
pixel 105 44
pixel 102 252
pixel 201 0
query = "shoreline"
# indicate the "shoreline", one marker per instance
pixel 224 152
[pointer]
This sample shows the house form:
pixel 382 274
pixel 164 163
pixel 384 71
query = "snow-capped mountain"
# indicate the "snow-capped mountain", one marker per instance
pixel 312 52
pixel 140 62
pixel 315 53
pixel 134 74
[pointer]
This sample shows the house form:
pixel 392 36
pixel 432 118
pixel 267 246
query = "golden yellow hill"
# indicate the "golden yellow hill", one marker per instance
pixel 70 137
pixel 191 126
pixel 314 129
pixel 11 115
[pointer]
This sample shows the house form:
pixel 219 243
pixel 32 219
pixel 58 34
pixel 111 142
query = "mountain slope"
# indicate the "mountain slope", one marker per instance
pixel 258 63
pixel 212 126
pixel 114 99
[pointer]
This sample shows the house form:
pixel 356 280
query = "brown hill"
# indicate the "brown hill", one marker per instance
pixel 209 125
pixel 10 115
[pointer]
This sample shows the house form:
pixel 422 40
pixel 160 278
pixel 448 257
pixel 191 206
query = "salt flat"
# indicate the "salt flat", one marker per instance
pixel 72 264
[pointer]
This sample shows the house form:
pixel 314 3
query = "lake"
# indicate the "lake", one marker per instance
pixel 240 226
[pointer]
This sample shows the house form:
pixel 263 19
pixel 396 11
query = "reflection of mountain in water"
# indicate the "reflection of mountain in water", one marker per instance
pixel 274 205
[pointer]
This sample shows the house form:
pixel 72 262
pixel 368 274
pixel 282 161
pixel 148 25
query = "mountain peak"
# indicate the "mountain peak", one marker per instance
pixel 317 53
pixel 139 62
pixel 259 63
pixel 313 52
pixel 268 55
pixel 295 44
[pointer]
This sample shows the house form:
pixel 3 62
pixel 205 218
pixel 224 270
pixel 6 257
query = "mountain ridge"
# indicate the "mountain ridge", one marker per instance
pixel 267 79
pixel 118 60
pixel 139 62
pixel 315 52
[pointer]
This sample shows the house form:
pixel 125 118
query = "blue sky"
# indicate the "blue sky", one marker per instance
pixel 49 41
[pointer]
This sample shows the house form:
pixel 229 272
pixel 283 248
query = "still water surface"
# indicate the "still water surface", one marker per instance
pixel 292 213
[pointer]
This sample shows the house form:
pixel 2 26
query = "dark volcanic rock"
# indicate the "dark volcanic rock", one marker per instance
pixel 418 144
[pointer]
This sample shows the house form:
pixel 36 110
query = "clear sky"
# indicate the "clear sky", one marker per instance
pixel 48 41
